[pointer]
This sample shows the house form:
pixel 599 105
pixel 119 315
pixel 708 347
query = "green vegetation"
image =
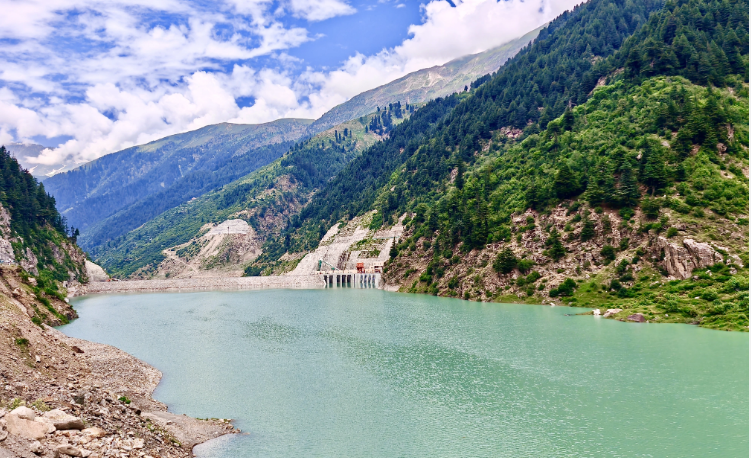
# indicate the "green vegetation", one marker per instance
pixel 36 227
pixel 22 342
pixel 634 123
pixel 265 198
pixel 132 186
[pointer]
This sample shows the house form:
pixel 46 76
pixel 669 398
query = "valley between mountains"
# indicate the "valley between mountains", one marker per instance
pixel 600 161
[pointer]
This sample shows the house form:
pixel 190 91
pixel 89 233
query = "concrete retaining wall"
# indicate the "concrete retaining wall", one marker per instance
pixel 204 284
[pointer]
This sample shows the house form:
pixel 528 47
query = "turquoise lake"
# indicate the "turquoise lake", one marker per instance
pixel 359 373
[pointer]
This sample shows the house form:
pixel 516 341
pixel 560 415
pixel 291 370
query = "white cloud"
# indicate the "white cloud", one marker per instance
pixel 319 10
pixel 136 82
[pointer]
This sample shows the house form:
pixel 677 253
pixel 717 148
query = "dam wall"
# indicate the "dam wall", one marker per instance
pixel 202 284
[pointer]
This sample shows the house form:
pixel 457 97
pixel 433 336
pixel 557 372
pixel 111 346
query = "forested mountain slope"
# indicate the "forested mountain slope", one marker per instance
pixel 157 176
pixel 34 236
pixel 426 84
pixel 265 199
pixel 610 195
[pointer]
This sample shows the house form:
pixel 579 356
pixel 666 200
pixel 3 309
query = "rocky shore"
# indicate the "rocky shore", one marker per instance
pixel 61 396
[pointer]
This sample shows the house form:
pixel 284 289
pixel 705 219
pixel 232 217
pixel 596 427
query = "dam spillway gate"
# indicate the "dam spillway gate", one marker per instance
pixel 351 280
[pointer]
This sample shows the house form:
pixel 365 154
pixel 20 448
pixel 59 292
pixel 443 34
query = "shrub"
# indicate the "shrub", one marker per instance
pixel 588 230
pixel 524 265
pixel 672 232
pixel 505 262
pixel 255 271
pixel 22 342
pixel 608 253
pixel 556 249
pixel 565 289
pixel 628 276
pixel 651 208
pixel 626 213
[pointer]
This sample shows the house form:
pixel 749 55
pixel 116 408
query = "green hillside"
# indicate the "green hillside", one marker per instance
pixel 123 190
pixel 266 198
pixel 617 133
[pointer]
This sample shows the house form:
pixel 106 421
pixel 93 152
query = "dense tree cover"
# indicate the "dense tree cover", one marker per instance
pixel 354 189
pixel 617 147
pixel 35 222
pixel 30 207
pixel 548 79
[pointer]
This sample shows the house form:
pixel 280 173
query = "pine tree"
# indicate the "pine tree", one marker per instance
pixel 588 229
pixel 565 184
pixel 505 262
pixel 555 250
pixel 628 190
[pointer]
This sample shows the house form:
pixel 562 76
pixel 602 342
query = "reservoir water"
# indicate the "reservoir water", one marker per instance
pixel 355 373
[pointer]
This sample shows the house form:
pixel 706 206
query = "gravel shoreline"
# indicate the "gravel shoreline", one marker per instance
pixel 105 393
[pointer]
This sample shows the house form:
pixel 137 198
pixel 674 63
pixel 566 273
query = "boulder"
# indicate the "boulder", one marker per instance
pixel 704 255
pixel 611 312
pixel 62 420
pixel 36 448
pixel 94 432
pixel 24 412
pixel 680 261
pixel 596 312
pixel 32 430
pixel 69 450
pixel 44 421
pixel 95 272
pixel 637 317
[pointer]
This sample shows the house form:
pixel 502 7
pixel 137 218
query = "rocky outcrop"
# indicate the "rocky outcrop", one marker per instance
pixel 95 272
pixel 637 318
pixel 29 262
pixel 681 260
pixel 611 312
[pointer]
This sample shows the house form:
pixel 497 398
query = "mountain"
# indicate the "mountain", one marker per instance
pixel 24 151
pixel 604 166
pixel 154 177
pixel 222 231
pixel 120 192
pixel 426 84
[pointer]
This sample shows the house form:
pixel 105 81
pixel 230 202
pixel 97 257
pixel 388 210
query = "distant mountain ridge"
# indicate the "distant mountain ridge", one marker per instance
pixel 129 187
pixel 24 151
pixel 177 168
pixel 426 84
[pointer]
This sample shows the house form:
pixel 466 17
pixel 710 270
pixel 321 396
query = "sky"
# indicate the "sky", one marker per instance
pixel 90 77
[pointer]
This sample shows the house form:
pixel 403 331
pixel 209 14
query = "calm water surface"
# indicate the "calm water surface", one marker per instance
pixel 350 373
